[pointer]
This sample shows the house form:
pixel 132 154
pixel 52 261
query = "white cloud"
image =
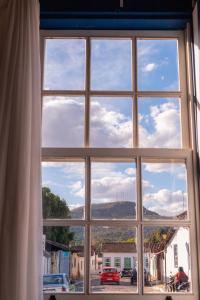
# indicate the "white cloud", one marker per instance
pixel 63 124
pixel 165 202
pixel 111 189
pixel 68 169
pixel 111 64
pixel 109 128
pixel 65 64
pixel 73 206
pixel 50 183
pixel 130 171
pixel 52 164
pixel 176 169
pixel 164 131
pixel 149 67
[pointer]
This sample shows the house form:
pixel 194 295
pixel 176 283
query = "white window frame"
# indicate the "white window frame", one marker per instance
pixel 186 153
pixel 117 262
pixel 106 261
pixel 175 246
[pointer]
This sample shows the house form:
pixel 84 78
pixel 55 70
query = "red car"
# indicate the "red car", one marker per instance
pixel 110 275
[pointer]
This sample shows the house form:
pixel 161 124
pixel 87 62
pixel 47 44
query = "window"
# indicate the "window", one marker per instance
pixel 175 256
pixel 107 262
pixel 127 262
pixel 117 262
pixel 117 160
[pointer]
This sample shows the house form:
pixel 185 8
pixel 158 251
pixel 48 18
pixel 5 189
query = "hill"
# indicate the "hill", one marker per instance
pixel 113 210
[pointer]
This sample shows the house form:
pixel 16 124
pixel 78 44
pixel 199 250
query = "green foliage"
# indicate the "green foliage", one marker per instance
pixel 131 240
pixel 54 207
pixel 61 235
pixel 157 235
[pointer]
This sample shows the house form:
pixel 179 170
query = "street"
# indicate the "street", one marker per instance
pixel 123 287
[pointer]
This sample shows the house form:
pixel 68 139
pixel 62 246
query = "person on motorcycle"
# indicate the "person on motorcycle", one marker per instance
pixel 179 278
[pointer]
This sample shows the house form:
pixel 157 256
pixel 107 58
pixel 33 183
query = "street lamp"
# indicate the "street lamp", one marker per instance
pixel 164 236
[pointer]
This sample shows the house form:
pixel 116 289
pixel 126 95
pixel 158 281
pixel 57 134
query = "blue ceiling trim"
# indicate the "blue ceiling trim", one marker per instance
pixel 113 24
pixel 107 14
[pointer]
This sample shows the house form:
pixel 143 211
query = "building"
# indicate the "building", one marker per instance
pixel 119 255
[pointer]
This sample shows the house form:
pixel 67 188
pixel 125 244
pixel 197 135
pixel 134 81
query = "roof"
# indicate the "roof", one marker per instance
pixel 119 247
pixel 182 216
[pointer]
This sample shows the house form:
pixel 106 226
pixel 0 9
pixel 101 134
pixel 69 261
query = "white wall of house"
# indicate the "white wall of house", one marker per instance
pixel 77 265
pixel 112 256
pixel 46 264
pixel 181 242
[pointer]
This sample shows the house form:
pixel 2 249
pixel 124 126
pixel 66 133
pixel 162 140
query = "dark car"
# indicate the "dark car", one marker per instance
pixel 126 272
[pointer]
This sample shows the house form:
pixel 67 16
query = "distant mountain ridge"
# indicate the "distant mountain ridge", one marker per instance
pixel 114 210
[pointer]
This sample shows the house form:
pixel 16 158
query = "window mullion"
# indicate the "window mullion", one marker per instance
pixel 134 82
pixel 87 96
pixel 139 228
pixel 184 94
pixel 87 227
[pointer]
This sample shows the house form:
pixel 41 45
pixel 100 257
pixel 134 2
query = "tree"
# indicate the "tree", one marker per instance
pixel 54 207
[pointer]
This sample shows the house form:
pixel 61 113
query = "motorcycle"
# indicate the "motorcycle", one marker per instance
pixel 173 286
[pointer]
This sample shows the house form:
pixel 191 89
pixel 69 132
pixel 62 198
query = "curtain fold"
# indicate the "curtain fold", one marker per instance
pixel 20 128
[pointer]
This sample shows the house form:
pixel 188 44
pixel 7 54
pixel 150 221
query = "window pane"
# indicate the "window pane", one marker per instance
pixel 113 190
pixel 163 275
pixel 111 122
pixel 111 64
pixel 114 247
pixel 159 122
pixel 64 66
pixel 63 190
pixel 63 122
pixel 63 259
pixel 164 187
pixel 157 65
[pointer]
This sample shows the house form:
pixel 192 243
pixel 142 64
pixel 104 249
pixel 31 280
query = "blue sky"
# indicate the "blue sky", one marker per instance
pixel 111 117
pixel 157 65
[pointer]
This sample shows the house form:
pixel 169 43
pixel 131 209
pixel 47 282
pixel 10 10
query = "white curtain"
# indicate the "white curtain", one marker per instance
pixel 20 127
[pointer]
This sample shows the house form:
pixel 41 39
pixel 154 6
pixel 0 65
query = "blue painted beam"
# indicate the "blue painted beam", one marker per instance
pixel 114 23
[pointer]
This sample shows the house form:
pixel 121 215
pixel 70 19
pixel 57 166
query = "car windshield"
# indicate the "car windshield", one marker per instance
pixel 55 279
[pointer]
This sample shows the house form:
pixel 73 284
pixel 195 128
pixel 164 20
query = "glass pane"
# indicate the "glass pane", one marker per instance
pixel 114 268
pixel 167 251
pixel 111 122
pixel 63 259
pixel 164 187
pixel 63 122
pixel 111 64
pixel 159 122
pixel 63 190
pixel 157 65
pixel 64 66
pixel 113 190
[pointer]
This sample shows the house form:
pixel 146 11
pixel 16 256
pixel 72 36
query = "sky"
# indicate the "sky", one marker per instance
pixel 164 185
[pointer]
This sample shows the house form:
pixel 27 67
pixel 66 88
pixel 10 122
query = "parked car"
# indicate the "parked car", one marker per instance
pixel 109 275
pixel 57 283
pixel 126 272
